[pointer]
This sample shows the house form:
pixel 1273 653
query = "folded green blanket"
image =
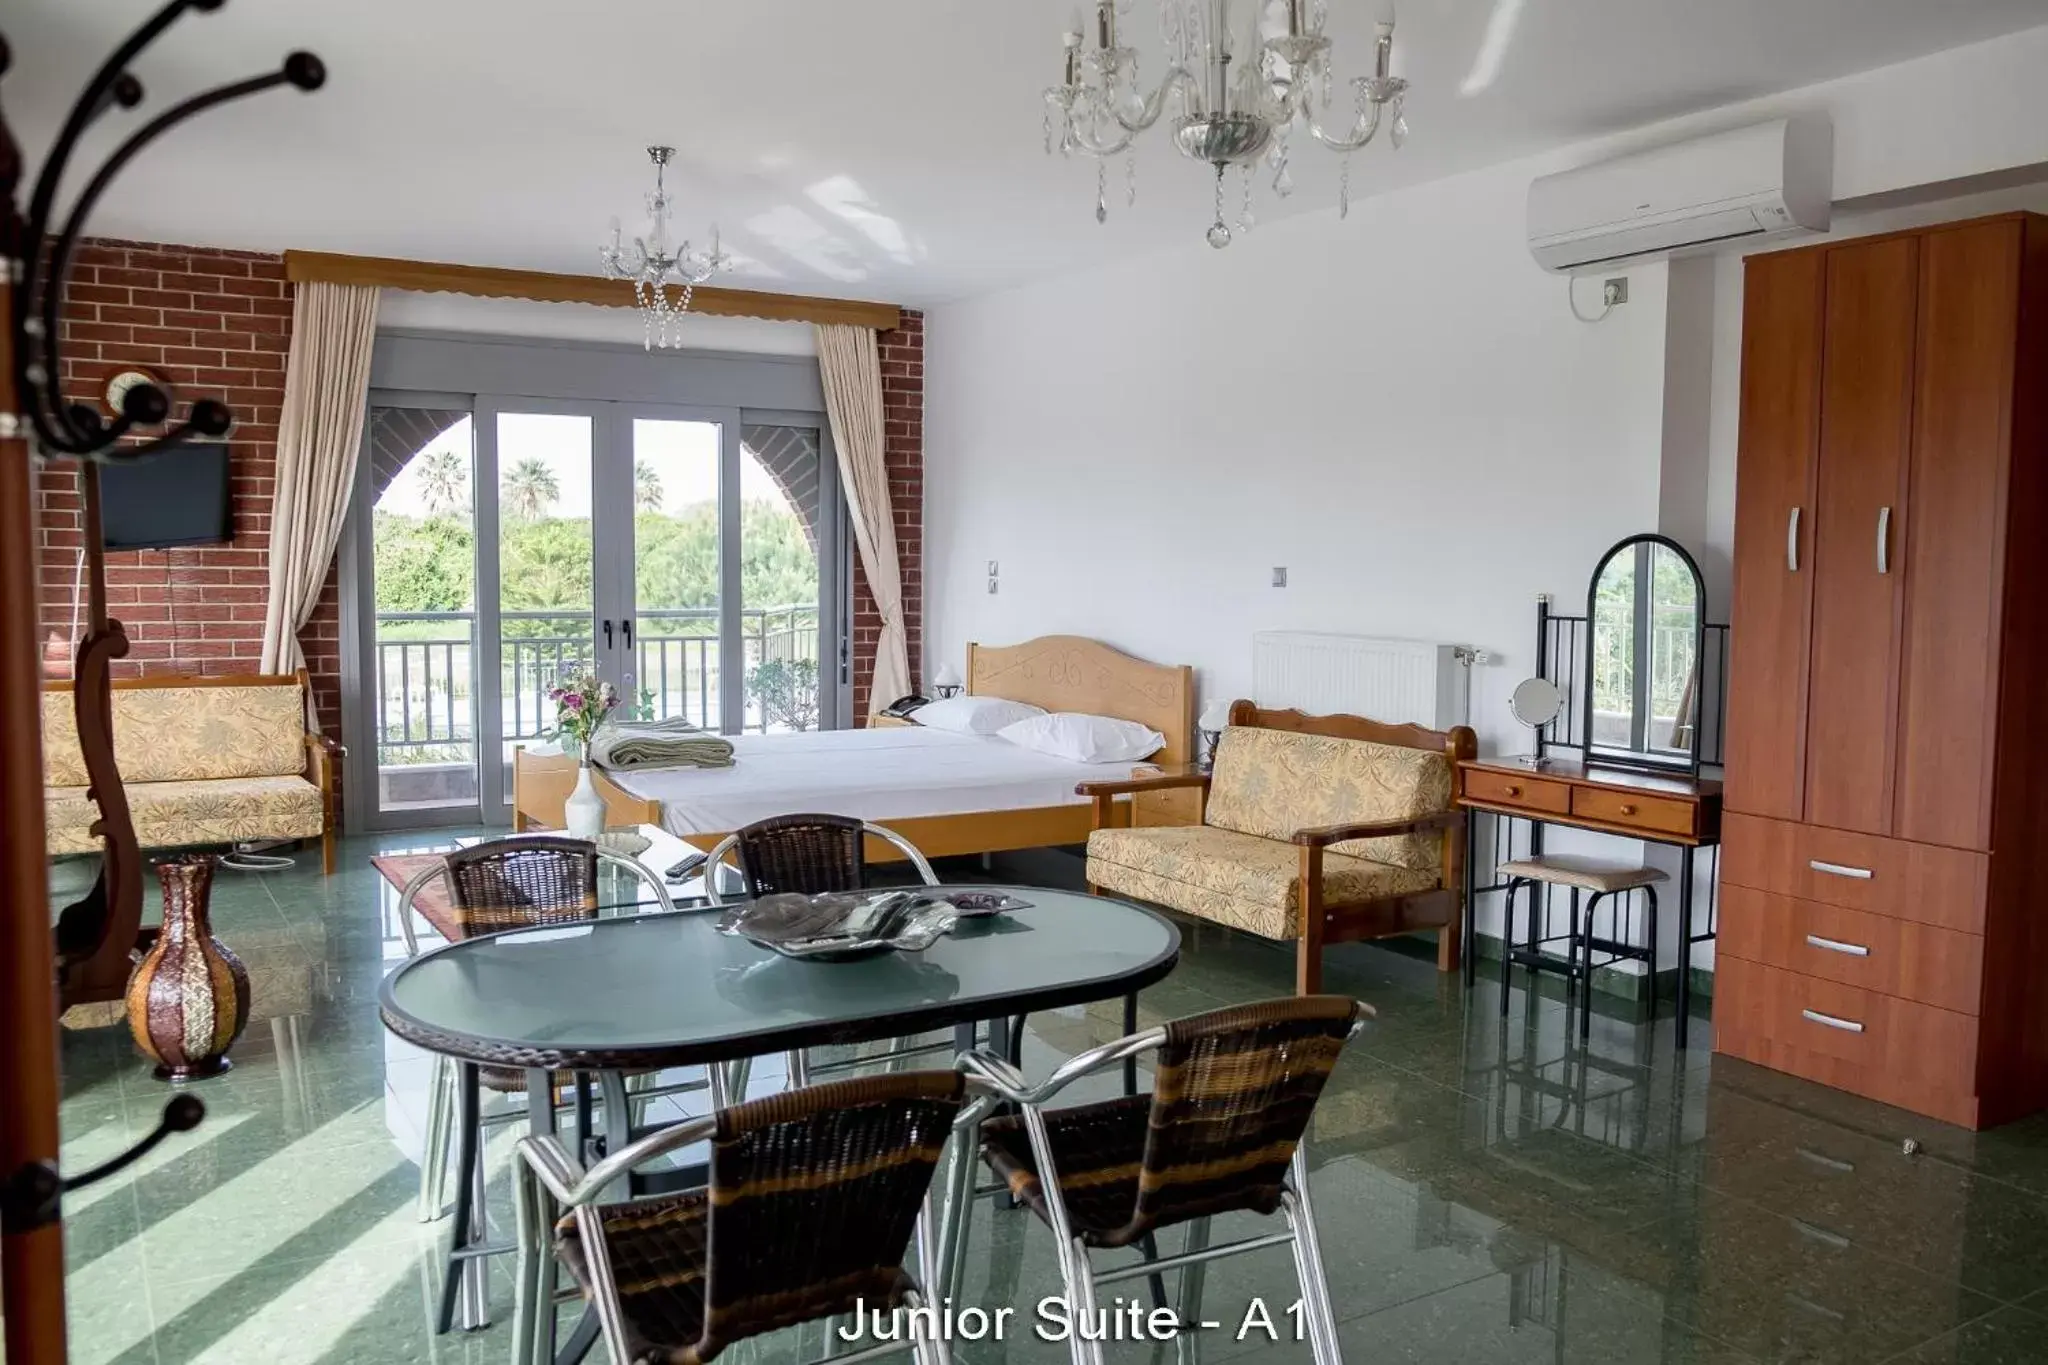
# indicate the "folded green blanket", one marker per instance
pixel 673 743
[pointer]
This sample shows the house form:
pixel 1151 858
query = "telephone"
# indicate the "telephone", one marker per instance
pixel 901 708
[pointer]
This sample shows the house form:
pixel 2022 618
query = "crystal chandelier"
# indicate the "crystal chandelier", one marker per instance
pixel 1227 110
pixel 653 267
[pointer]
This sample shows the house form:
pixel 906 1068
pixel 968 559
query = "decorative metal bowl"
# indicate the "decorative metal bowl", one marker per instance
pixel 843 926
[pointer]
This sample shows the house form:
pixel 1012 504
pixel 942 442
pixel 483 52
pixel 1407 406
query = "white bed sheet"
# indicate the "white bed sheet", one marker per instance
pixel 891 773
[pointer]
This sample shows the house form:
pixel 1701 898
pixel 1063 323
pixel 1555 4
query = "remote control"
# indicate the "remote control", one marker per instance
pixel 682 870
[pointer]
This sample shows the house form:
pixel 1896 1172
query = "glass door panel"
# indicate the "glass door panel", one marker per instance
pixel 546 586
pixel 678 573
pixel 781 535
pixel 422 669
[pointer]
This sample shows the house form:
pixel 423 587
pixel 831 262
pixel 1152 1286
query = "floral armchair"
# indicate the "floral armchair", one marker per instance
pixel 1315 829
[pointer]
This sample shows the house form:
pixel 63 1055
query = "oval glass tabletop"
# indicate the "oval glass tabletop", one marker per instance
pixel 670 990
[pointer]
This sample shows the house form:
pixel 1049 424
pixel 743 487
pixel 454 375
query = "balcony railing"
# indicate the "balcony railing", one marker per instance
pixel 426 708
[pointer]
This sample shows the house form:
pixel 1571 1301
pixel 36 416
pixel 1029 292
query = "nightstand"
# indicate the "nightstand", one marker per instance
pixel 884 722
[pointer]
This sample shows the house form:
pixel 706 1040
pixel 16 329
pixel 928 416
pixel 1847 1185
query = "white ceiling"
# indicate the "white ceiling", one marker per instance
pixel 885 149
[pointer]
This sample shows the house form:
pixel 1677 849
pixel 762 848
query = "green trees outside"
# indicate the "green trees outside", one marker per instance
pixel 426 563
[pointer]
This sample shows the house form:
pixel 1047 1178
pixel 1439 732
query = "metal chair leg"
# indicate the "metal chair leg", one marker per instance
pixel 959 1213
pixel 1586 950
pixel 1315 1286
pixel 434 1155
pixel 1507 937
pixel 1081 1298
pixel 1187 1305
pixel 1650 895
pixel 528 1248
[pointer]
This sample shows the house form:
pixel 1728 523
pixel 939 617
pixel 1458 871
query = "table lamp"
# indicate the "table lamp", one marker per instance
pixel 947 682
pixel 1215 719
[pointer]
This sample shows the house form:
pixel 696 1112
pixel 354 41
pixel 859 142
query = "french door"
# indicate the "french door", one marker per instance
pixel 691 557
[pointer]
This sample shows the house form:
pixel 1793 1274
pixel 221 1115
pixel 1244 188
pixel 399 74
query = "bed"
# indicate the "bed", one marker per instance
pixel 948 794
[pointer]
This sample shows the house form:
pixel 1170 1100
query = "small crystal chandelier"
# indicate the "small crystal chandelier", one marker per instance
pixel 1226 112
pixel 652 267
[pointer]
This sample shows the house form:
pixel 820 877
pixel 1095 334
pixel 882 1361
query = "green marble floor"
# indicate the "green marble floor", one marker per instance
pixel 1489 1190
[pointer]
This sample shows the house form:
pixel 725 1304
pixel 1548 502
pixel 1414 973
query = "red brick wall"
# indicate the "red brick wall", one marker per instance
pixel 903 416
pixel 215 324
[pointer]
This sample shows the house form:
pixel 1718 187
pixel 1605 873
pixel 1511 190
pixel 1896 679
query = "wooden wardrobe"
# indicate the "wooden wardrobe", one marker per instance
pixel 1884 921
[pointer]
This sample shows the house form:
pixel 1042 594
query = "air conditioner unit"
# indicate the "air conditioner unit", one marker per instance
pixel 1746 185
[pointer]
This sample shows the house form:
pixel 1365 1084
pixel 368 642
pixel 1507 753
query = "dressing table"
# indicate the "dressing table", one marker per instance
pixel 1627 748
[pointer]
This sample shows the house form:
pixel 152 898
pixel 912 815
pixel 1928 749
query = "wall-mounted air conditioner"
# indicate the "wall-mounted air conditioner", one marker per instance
pixel 1741 186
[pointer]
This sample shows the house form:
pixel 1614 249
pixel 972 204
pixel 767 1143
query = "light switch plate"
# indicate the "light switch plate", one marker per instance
pixel 1279 576
pixel 991 587
pixel 992 568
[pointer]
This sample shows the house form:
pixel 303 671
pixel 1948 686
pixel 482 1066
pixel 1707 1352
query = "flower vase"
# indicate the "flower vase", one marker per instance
pixel 583 812
pixel 188 999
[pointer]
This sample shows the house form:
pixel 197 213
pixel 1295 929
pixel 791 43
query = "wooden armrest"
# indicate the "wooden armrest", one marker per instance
pixel 1158 782
pixel 1324 835
pixel 326 744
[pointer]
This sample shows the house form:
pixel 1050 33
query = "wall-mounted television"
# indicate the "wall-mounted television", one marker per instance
pixel 174 497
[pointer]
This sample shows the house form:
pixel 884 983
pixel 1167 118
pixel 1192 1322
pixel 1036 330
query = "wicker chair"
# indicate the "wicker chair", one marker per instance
pixel 814 1198
pixel 519 883
pixel 1221 1132
pixel 812 855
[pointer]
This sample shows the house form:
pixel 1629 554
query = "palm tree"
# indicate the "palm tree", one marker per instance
pixel 530 489
pixel 646 487
pixel 444 480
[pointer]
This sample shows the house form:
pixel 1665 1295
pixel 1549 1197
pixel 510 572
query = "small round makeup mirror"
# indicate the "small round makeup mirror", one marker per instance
pixel 1536 702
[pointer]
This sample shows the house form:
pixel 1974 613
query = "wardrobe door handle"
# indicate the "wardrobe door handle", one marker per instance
pixel 1835 945
pixel 1845 1025
pixel 1792 542
pixel 1884 540
pixel 1861 874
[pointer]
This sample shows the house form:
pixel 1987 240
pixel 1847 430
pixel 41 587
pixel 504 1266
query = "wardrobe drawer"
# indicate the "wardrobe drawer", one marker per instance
pixel 1922 882
pixel 1900 1052
pixel 1655 814
pixel 1529 793
pixel 1854 947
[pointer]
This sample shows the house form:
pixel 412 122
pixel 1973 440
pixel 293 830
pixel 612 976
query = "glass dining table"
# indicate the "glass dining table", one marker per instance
pixel 648 992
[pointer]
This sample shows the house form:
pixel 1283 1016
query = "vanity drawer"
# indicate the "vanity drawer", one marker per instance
pixel 1616 806
pixel 1529 793
pixel 1890 956
pixel 1922 882
pixel 1901 1052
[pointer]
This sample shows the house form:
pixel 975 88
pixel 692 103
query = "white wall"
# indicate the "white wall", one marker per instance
pixel 1400 409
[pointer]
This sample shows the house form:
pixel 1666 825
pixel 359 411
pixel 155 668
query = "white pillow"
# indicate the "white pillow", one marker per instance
pixel 1085 738
pixel 974 715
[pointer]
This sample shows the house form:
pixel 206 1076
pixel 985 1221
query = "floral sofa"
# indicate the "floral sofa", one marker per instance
pixel 1315 829
pixel 203 761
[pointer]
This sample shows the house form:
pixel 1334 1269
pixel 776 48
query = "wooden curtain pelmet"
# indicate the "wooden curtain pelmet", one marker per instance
pixel 434 277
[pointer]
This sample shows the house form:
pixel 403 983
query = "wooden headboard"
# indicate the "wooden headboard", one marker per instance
pixel 1072 673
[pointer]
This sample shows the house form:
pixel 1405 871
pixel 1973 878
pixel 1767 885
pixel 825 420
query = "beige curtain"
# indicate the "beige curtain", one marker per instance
pixel 326 386
pixel 851 364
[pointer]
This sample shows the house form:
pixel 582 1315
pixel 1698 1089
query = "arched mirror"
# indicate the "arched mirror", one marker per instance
pixel 1646 621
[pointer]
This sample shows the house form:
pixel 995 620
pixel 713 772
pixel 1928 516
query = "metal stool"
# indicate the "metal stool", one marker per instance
pixel 1602 879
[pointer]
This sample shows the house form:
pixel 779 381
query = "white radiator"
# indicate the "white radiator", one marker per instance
pixel 1400 681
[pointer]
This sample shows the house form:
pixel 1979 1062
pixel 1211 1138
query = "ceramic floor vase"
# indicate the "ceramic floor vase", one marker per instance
pixel 188 1000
